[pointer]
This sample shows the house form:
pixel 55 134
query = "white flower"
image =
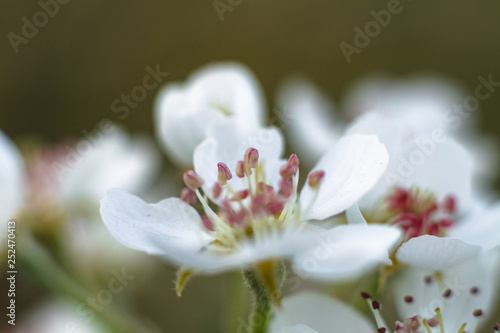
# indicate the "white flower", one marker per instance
pixel 428 191
pixel 185 113
pixel 118 161
pixel 464 294
pixel 52 316
pixel 65 182
pixel 418 105
pixel 259 215
pixel 11 179
pixel 310 312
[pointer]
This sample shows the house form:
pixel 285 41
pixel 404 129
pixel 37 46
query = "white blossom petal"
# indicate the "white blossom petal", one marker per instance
pixel 433 253
pixel 143 226
pixel 351 168
pixel 347 251
pixel 320 313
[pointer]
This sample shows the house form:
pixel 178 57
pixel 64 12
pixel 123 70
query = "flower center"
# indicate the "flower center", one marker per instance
pixel 416 212
pixel 425 323
pixel 258 209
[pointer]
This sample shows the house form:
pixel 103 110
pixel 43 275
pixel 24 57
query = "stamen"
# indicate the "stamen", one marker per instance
pixel 240 195
pixel 315 177
pixel 188 196
pixel 216 190
pixel 207 223
pixel 408 299
pixel 426 325
pixel 375 307
pixel 192 180
pixel 286 187
pixel 450 204
pixel 447 293
pixel 294 160
pixel 462 328
pixel 240 169
pixel 440 320
pixel 496 327
pixel 224 173
pixel 251 157
pixel 288 170
pixel 474 290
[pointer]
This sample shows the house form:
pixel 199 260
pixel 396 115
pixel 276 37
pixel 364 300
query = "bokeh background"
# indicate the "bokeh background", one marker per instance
pixel 64 79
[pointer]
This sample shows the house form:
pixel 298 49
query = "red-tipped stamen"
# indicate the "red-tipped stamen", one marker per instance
pixel 192 180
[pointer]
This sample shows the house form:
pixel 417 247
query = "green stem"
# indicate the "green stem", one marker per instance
pixel 262 306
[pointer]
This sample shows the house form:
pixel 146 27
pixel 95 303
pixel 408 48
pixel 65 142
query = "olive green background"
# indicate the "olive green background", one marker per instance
pixel 64 80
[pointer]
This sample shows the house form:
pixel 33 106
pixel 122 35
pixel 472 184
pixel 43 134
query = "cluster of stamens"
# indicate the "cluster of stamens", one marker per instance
pixel 421 324
pixel 258 208
pixel 418 212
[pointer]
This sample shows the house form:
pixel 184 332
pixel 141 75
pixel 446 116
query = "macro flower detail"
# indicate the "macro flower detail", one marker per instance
pixel 251 209
pixel 455 301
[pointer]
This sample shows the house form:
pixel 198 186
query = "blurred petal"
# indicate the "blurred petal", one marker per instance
pixel 118 160
pixel 307 119
pixel 433 253
pixel 351 168
pixel 481 228
pixel 11 179
pixel 300 328
pixel 354 216
pixel 212 95
pixel 346 251
pixel 315 312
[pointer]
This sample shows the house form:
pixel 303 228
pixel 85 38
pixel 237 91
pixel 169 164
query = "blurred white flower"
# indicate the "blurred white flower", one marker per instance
pixel 418 106
pixel 11 179
pixel 64 183
pixel 259 214
pixel 310 312
pixel 464 294
pixel 427 190
pixel 55 316
pixel 309 118
pixel 185 113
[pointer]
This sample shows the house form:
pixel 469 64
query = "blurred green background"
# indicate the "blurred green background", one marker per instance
pixel 64 79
